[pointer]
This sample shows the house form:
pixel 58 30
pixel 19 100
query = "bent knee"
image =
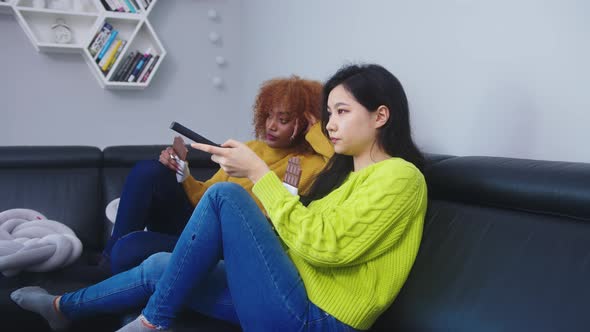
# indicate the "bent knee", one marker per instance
pixel 129 251
pixel 149 169
pixel 227 188
pixel 156 263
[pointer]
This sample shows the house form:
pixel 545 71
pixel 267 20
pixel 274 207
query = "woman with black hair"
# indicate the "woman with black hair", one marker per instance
pixel 335 262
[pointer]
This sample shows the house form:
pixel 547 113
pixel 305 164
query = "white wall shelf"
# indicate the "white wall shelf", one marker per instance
pixel 6 7
pixel 133 30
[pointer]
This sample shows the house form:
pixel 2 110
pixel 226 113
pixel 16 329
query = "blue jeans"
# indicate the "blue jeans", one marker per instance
pixel 151 198
pixel 135 247
pixel 256 286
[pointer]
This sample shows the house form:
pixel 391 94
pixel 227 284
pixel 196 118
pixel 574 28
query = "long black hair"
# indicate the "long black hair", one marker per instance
pixel 372 86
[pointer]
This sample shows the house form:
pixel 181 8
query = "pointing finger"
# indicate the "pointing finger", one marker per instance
pixel 208 148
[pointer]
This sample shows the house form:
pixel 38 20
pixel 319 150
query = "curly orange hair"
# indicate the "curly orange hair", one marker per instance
pixel 294 95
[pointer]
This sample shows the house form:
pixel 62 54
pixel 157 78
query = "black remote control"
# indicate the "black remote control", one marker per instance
pixel 177 127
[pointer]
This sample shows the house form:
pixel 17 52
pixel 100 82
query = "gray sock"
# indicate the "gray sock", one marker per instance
pixel 36 299
pixel 140 324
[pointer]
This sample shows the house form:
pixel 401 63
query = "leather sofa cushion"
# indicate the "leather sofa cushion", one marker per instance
pixel 489 269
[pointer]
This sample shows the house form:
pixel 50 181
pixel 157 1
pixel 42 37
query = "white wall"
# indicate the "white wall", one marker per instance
pixel 53 99
pixel 502 78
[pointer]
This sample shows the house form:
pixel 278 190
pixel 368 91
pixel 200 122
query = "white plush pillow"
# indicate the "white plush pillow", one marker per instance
pixel 31 242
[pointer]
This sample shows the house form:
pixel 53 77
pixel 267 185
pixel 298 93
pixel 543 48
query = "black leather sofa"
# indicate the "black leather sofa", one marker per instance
pixel 506 244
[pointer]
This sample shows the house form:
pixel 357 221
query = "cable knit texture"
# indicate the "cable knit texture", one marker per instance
pixel 277 160
pixel 355 247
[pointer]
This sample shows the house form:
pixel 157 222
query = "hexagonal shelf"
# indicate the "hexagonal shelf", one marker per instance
pixel 6 7
pixel 120 47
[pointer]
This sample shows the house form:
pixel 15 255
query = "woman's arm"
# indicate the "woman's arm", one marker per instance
pixel 374 214
pixel 196 189
pixel 319 142
pixel 236 159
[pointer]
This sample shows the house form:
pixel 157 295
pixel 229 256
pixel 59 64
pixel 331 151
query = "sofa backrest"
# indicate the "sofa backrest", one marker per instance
pixel 63 183
pixel 506 247
pixel 73 184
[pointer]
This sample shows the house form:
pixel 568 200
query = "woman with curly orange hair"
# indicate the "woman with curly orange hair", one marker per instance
pixel 285 121
pixel 295 103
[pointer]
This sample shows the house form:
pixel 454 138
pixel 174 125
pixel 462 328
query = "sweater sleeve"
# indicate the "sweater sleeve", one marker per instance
pixel 195 189
pixel 319 142
pixel 371 217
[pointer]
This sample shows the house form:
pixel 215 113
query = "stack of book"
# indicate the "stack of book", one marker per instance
pixel 106 47
pixel 137 67
pixel 126 6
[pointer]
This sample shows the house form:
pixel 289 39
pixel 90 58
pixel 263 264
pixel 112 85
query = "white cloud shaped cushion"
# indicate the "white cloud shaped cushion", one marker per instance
pixel 31 242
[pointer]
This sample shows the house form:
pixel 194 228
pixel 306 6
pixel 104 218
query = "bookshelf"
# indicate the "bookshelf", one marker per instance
pixel 79 22
pixel 6 7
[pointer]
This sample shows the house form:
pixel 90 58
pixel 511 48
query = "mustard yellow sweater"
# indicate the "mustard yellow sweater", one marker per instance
pixel 276 159
pixel 355 247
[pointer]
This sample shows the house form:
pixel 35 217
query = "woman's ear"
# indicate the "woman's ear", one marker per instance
pixel 382 115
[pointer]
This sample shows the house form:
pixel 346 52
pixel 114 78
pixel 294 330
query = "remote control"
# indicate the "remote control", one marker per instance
pixel 177 127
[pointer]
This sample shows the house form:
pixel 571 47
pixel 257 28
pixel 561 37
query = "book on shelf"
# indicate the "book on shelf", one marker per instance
pixel 106 5
pixel 124 6
pixel 111 56
pixel 142 66
pixel 123 67
pixel 129 5
pixel 136 67
pixel 136 4
pixel 139 66
pixel 145 76
pixel 107 45
pixel 129 71
pixel 116 6
pixel 109 5
pixel 100 39
pixel 145 68
pixel 104 62
pixel 117 54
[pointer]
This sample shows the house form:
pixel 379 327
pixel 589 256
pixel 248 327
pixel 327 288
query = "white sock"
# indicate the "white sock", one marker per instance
pixel 36 299
pixel 141 324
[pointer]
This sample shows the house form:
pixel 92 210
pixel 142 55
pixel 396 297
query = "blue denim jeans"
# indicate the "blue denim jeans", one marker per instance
pixel 135 247
pixel 151 198
pixel 257 286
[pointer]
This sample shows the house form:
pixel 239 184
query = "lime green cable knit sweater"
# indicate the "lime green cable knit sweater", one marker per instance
pixel 355 247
